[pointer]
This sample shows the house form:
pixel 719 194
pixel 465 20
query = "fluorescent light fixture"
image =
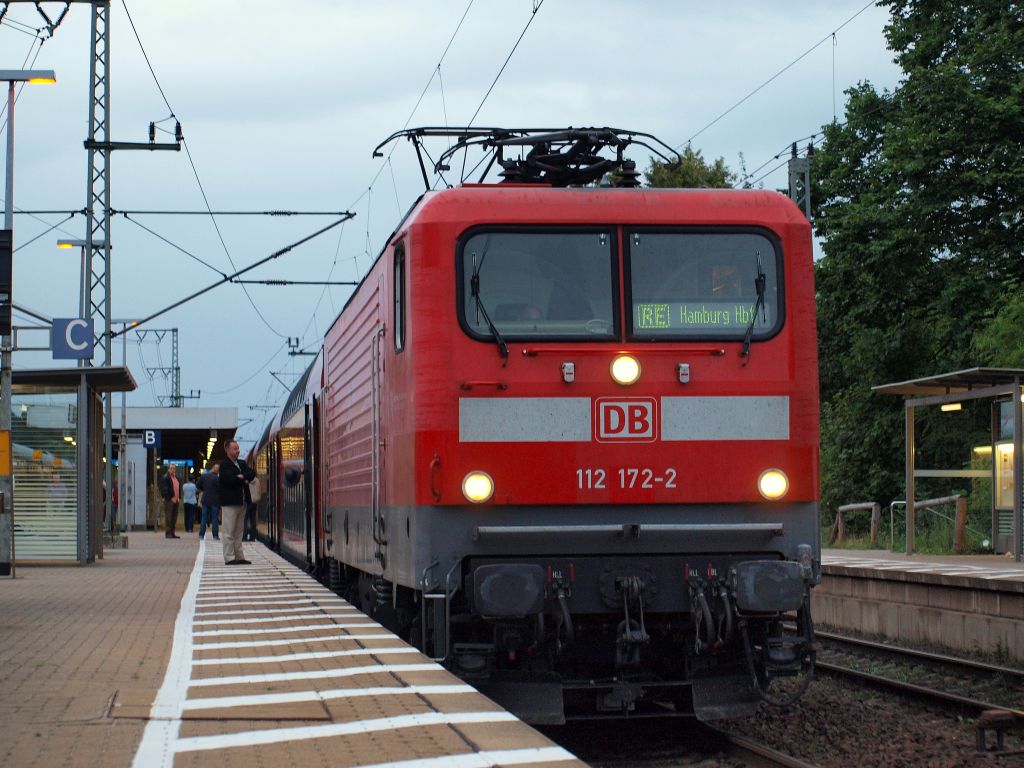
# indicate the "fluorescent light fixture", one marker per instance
pixel 948 407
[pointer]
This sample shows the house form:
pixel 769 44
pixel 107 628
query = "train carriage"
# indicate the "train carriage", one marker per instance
pixel 567 440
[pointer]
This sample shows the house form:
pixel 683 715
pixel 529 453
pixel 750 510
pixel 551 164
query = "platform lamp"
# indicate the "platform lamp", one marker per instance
pixel 11 77
pixel 83 291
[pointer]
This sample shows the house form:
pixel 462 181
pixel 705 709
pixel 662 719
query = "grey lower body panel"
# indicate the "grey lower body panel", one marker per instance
pixel 423 541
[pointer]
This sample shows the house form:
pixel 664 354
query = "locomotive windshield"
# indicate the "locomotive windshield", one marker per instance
pixel 538 284
pixel 702 285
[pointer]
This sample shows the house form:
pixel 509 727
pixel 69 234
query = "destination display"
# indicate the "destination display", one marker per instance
pixel 699 316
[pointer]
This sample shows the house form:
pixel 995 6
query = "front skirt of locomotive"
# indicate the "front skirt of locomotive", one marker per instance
pixel 603 611
pixel 613 636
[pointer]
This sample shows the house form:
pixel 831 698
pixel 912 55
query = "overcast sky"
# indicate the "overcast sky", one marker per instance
pixel 282 104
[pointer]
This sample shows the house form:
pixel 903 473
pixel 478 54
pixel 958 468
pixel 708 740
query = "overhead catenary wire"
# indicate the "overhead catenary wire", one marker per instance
pixel 774 77
pixel 195 172
pixel 21 86
pixel 228 278
pixel 45 232
pixel 174 245
pixel 533 14
pixel 253 375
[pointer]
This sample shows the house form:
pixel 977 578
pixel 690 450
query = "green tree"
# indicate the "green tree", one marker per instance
pixel 692 172
pixel 919 201
pixel 1000 343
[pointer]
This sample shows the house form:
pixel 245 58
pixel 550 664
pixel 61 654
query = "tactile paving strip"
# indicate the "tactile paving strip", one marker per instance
pixel 269 665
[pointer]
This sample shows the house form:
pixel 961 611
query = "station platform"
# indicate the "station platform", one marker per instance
pixel 972 603
pixel 161 655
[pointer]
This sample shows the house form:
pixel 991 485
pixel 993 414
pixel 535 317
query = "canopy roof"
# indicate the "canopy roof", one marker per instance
pixel 957 381
pixel 112 378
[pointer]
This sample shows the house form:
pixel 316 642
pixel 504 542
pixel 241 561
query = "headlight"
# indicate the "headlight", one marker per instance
pixel 773 484
pixel 625 369
pixel 477 487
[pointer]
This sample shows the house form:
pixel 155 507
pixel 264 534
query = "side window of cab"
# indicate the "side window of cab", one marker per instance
pixel 398 299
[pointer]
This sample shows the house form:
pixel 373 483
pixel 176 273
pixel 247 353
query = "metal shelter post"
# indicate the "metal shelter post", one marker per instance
pixel 1018 472
pixel 82 468
pixel 911 451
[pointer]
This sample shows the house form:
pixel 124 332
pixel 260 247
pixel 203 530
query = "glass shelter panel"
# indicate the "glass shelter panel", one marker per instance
pixel 43 433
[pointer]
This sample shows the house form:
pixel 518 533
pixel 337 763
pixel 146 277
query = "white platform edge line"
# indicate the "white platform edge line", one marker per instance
pixel 485 759
pixel 292 697
pixel 315 674
pixel 278 611
pixel 156 747
pixel 285 630
pixel 236 660
pixel 311 614
pixel 197 647
pixel 305 733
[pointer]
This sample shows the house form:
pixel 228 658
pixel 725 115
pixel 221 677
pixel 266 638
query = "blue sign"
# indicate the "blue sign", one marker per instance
pixel 72 338
pixel 151 438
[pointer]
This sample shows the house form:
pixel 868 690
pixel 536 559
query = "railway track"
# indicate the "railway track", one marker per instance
pixel 760 754
pixel 664 742
pixel 968 686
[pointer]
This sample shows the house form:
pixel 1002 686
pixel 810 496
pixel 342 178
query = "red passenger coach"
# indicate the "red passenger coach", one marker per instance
pixel 567 440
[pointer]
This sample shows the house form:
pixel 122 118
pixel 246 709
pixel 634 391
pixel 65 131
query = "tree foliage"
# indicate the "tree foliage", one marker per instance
pixel 692 172
pixel 919 201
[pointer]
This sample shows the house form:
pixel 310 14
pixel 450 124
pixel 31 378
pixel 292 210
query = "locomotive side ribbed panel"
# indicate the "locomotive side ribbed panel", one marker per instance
pixel 349 425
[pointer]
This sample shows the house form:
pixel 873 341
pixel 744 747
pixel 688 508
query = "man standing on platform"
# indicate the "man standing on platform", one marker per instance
pixel 170 489
pixel 235 476
pixel 188 495
pixel 209 484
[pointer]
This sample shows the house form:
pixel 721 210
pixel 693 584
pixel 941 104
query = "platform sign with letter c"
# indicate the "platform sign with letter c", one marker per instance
pixel 72 338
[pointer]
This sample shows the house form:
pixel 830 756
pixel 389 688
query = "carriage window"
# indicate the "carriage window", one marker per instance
pixel 532 285
pixel 702 285
pixel 399 299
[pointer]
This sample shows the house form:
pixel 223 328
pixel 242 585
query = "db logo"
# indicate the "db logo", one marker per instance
pixel 633 420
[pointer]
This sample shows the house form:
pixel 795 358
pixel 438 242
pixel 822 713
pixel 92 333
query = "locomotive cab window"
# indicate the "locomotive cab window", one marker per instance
pixel 538 284
pixel 398 320
pixel 702 284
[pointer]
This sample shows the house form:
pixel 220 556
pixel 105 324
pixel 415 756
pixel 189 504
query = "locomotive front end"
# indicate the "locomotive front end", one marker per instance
pixel 627 509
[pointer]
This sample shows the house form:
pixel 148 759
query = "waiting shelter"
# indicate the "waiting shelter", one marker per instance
pixel 1001 386
pixel 57 457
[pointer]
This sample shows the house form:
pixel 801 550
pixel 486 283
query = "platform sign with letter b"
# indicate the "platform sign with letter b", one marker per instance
pixel 151 438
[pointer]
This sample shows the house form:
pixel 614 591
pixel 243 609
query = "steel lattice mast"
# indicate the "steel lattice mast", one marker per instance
pixel 97 208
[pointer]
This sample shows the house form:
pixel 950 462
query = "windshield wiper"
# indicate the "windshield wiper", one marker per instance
pixel 474 289
pixel 759 286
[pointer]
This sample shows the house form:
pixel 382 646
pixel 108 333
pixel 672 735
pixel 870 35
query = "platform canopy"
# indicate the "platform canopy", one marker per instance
pixel 112 378
pixel 953 383
pixel 945 389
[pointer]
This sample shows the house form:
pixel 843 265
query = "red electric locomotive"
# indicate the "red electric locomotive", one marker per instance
pixel 566 437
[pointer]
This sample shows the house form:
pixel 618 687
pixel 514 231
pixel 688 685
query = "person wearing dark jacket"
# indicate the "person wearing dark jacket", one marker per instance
pixel 209 484
pixel 235 476
pixel 170 489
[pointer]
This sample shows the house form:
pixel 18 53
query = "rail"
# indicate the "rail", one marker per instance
pixel 949 667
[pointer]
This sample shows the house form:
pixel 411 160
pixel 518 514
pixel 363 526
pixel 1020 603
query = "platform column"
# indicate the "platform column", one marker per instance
pixel 1018 472
pixel 911 517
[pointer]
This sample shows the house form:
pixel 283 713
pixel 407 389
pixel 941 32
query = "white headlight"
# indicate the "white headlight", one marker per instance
pixel 773 484
pixel 477 487
pixel 625 369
